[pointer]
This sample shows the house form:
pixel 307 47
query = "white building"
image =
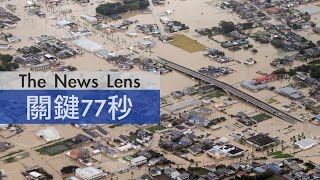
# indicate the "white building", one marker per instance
pixel 306 143
pixel 172 173
pixel 146 44
pixel 90 19
pixel 4 46
pixel 63 23
pixel 132 34
pixel 139 161
pixel 73 178
pixel 4 126
pixel 36 175
pixel 164 19
pixel 226 150
pixel 90 173
pixel 49 134
pixel 87 45
pixel 125 147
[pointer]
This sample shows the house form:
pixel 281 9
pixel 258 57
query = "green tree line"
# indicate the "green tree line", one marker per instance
pixel 117 8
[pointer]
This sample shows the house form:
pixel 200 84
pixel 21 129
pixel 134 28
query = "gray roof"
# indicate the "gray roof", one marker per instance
pixel 288 90
pixel 103 53
pixel 291 92
pixel 250 84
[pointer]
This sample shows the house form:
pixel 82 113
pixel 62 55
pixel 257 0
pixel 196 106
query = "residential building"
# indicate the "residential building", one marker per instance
pixel 146 44
pixel 79 153
pixel 172 173
pixel 4 146
pixel 290 92
pixel 41 67
pixel 139 161
pixel 125 147
pixel 155 171
pixel 90 173
pixel 226 150
pixel 260 141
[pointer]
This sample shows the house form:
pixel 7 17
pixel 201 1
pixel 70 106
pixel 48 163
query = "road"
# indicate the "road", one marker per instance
pixel 231 90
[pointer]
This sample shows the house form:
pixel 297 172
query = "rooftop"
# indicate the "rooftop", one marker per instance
pixel 87 45
pixel 291 92
pixel 49 133
pixel 306 143
pixel 260 140
pixel 89 172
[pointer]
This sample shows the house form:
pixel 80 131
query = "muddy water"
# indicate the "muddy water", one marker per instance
pixel 188 12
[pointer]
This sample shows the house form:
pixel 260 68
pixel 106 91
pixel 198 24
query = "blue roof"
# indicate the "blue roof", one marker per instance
pixel 259 170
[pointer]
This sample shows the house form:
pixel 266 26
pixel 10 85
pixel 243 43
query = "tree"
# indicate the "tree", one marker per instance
pixel 35 49
pixel 6 58
pixel 254 50
pixel 280 71
pixel 220 166
pixel 227 27
pixel 117 8
pixel 264 175
pixel 133 6
pixel 296 26
pixel 129 1
pixel 311 44
pixel 7 64
pixel 315 72
pixel 144 4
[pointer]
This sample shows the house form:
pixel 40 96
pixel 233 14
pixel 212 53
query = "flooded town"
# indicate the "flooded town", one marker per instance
pixel 239 94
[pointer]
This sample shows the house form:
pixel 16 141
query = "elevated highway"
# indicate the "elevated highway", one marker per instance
pixel 231 90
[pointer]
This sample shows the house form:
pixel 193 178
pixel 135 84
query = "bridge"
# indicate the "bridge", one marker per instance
pixel 231 90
